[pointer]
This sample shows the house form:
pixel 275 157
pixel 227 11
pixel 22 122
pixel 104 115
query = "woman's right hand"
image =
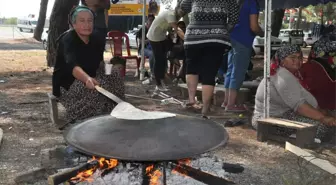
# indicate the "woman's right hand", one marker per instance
pixel 329 121
pixel 91 83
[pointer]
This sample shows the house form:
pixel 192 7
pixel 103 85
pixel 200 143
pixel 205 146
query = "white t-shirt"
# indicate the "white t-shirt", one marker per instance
pixel 158 30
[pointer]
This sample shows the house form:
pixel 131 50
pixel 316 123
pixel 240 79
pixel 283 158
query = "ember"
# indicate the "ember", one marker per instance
pixel 204 170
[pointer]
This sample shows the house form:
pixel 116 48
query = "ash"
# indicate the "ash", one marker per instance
pixel 131 174
pixel 123 174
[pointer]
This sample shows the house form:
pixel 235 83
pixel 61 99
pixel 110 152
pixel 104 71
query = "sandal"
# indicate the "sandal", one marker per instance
pixel 223 105
pixel 192 106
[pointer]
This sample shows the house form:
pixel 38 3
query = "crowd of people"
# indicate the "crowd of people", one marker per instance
pixel 215 28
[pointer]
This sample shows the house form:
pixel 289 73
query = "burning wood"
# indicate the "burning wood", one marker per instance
pixel 183 161
pixel 153 174
pixel 199 175
pixel 83 172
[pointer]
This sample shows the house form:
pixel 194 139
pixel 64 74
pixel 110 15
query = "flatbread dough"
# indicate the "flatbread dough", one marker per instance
pixel 127 111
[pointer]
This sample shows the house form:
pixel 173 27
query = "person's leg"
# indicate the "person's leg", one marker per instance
pixel 192 61
pixel 240 62
pixel 211 61
pixel 160 59
pixel 149 55
pixel 228 76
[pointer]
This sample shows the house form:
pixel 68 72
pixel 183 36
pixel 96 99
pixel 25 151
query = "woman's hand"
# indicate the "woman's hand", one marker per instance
pixel 329 121
pixel 91 83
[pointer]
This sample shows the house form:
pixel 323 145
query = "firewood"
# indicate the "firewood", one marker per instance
pixel 204 177
pixel 68 174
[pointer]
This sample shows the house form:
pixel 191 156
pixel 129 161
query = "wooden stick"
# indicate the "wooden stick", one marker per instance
pixel 323 164
pixel 68 174
pixel 140 97
pixel 199 175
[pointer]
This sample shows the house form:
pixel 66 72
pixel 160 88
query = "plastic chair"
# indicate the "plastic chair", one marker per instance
pixel 116 39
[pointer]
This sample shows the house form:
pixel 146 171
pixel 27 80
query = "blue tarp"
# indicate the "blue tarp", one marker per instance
pixel 276 4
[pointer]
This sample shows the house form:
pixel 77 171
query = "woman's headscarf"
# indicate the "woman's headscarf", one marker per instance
pixel 281 54
pixel 324 48
pixel 74 12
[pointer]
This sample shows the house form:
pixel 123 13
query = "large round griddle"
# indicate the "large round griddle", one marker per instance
pixel 146 140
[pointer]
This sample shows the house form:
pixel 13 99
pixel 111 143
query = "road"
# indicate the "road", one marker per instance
pixel 12 39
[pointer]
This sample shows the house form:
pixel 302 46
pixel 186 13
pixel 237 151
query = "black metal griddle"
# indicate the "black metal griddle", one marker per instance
pixel 165 139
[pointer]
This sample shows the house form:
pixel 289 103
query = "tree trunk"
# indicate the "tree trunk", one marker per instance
pixel 277 18
pixel 58 25
pixel 299 21
pixel 41 20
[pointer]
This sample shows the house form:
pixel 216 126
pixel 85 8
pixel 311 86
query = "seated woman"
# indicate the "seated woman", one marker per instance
pixel 77 70
pixel 288 97
pixel 319 73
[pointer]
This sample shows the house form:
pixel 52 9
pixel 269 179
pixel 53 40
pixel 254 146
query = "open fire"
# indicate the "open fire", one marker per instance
pixel 203 170
pixel 103 165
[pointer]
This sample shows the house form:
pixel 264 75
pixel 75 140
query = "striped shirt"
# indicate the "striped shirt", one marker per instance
pixel 210 20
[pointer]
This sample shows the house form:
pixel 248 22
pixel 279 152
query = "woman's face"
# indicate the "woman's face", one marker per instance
pixel 293 62
pixel 84 23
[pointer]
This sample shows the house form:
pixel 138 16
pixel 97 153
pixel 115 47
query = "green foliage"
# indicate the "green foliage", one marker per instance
pixel 329 12
pixel 10 21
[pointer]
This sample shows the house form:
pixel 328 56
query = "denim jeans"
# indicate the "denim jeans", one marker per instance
pixel 238 62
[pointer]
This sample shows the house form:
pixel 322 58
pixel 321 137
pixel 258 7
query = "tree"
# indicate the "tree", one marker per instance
pixel 58 25
pixel 299 20
pixel 41 20
pixel 277 18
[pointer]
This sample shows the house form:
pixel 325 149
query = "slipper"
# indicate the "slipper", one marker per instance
pixel 223 105
pixel 195 107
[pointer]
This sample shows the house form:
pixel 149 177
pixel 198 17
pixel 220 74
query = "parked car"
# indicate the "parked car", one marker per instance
pixel 44 38
pixel 258 45
pixel 292 36
pixel 309 39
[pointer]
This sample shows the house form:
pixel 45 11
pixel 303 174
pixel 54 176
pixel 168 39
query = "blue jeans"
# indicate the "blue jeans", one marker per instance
pixel 238 62
pixel 149 54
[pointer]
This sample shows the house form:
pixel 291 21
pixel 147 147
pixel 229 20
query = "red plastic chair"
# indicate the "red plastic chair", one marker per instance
pixel 116 39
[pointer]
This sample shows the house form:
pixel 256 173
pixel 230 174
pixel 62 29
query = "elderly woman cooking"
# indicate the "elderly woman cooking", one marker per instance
pixel 77 70
pixel 289 98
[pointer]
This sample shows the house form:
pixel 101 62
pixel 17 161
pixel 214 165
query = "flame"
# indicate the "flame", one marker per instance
pixel 180 162
pixel 154 176
pixel 103 164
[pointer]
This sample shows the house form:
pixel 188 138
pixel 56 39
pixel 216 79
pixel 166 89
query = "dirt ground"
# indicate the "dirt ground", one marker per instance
pixel 24 118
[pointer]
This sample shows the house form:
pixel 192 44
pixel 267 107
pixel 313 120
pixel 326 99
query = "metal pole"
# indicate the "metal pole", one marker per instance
pixel 267 55
pixel 142 64
pixel 13 31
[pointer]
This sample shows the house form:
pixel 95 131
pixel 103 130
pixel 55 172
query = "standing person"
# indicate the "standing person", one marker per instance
pixel 157 35
pixel 100 8
pixel 148 48
pixel 206 39
pixel 242 38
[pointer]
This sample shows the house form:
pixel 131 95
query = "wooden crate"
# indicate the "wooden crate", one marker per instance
pixel 244 94
pixel 305 133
